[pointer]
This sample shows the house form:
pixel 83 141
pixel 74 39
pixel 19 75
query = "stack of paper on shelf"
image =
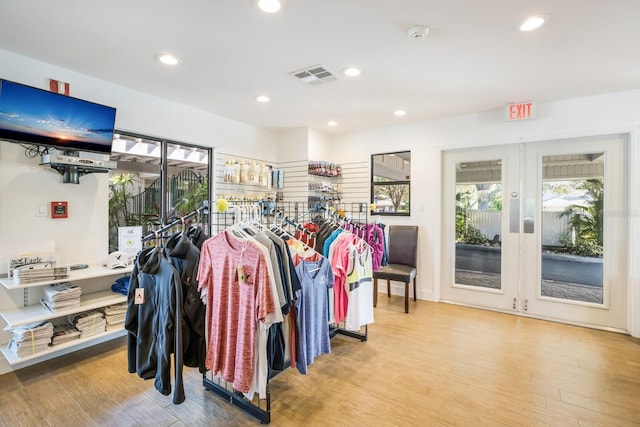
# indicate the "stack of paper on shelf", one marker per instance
pixel 114 316
pixel 61 295
pixel 64 333
pixel 89 323
pixel 39 272
pixel 31 339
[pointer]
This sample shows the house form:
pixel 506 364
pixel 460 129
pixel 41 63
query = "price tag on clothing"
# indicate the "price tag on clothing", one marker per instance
pixel 241 276
pixel 139 296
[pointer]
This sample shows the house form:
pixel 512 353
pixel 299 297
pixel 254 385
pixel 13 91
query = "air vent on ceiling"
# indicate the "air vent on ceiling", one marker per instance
pixel 318 74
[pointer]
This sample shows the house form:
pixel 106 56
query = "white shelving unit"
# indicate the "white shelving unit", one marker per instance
pixel 29 314
pixel 37 313
pixel 91 272
pixel 61 349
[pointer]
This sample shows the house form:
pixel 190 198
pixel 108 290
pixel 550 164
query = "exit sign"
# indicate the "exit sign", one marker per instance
pixel 520 111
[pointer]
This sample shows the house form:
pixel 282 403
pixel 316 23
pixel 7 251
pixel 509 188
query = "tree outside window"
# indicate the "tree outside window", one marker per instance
pixel 390 183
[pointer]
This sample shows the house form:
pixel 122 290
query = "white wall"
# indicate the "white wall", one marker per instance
pixel 293 160
pixel 293 145
pixel 320 146
pixel 596 115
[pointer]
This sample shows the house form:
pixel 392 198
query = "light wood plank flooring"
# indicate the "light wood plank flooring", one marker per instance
pixel 438 365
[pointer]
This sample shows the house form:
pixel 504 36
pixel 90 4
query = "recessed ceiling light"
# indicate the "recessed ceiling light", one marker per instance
pixel 332 123
pixel 167 59
pixel 262 98
pixel 532 22
pixel 399 113
pixel 270 6
pixel 351 71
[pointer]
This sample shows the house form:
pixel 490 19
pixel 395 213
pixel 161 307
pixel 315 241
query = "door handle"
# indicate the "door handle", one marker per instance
pixel 529 215
pixel 514 213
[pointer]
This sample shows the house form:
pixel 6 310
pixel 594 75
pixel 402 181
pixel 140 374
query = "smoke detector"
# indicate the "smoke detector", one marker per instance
pixel 418 31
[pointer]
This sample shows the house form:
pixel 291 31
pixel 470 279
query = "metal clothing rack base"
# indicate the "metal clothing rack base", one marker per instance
pixel 236 398
pixel 335 330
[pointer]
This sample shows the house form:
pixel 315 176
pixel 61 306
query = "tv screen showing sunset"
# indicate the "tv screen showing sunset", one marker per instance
pixel 37 116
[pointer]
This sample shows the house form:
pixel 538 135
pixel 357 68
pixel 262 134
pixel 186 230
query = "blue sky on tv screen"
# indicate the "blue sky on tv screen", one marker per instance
pixel 33 111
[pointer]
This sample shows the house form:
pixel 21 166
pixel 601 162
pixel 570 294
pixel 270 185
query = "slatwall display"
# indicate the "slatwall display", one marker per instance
pixel 296 180
pixel 241 191
pixel 355 182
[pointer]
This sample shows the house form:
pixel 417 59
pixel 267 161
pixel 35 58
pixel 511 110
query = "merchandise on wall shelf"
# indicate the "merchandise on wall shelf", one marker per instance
pixel 323 192
pixel 246 198
pixel 327 169
pixel 277 178
pixel 325 187
pixel 246 180
pixel 247 172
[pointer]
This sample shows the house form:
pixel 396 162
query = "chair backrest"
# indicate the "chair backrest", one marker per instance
pixel 403 245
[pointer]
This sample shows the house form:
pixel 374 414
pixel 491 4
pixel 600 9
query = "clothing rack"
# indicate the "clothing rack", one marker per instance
pixel 333 329
pixel 256 407
pixel 182 221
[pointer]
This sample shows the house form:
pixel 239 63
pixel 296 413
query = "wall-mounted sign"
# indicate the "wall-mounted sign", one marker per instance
pixel 520 111
pixel 130 239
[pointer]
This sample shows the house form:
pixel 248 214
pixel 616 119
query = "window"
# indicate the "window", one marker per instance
pixel 156 181
pixel 390 183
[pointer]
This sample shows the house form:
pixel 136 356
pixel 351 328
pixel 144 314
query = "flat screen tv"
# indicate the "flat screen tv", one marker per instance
pixel 34 116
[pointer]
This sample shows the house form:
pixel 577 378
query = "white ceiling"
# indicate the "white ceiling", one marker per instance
pixel 473 60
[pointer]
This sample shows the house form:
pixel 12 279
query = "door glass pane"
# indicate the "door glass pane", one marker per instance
pixel 187 179
pixel 572 227
pixel 134 196
pixel 478 223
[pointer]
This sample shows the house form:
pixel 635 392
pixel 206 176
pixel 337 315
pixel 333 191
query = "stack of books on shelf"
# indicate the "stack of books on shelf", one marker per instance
pixel 114 316
pixel 31 339
pixel 90 323
pixel 64 333
pixel 61 295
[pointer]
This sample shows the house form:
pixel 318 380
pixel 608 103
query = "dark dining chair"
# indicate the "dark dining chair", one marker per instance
pixel 402 262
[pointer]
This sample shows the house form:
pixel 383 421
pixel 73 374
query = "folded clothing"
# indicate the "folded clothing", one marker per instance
pixel 121 285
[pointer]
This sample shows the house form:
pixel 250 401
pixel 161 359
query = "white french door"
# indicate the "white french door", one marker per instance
pixel 538 228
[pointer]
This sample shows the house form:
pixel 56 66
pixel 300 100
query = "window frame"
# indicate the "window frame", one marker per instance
pixel 374 184
pixel 164 214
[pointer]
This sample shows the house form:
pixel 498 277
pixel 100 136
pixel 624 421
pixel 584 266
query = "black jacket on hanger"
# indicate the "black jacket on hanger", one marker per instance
pixel 185 256
pixel 153 322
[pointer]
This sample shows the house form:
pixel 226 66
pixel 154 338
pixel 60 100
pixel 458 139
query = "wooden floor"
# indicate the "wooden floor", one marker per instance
pixel 438 365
